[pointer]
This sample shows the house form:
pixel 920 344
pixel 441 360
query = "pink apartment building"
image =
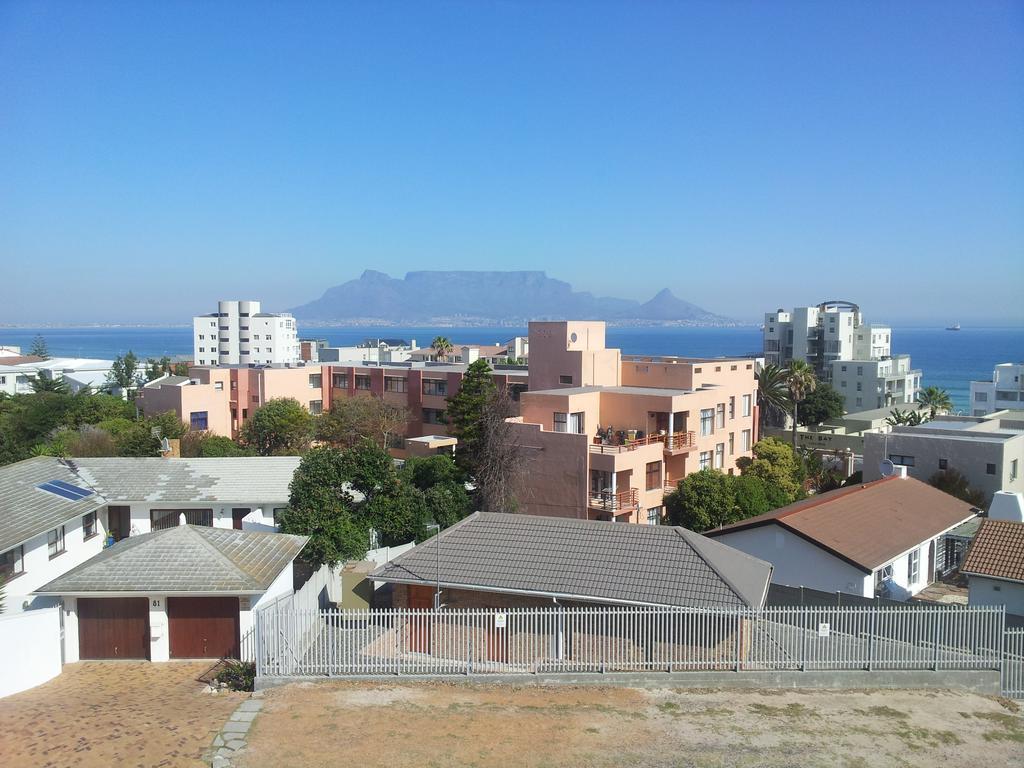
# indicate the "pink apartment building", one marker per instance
pixel 221 398
pixel 608 434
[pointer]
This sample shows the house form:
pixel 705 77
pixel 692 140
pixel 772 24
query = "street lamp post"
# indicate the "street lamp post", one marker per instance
pixel 437 562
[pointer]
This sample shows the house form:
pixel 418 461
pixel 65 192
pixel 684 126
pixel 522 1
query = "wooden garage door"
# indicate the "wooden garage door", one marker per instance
pixel 113 628
pixel 203 627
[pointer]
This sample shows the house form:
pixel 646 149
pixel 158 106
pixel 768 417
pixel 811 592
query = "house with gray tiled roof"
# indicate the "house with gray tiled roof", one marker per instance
pixel 183 592
pixel 506 560
pixel 57 513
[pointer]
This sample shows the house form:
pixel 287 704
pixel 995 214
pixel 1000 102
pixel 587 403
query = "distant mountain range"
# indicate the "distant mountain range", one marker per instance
pixel 488 298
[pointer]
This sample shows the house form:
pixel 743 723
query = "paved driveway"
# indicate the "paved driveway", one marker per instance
pixel 99 715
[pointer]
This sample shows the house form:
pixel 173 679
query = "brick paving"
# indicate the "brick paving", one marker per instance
pixel 99 715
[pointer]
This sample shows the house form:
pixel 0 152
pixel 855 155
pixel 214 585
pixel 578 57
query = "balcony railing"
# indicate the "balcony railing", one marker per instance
pixel 607 501
pixel 677 441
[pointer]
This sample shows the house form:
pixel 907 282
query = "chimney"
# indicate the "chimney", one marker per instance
pixel 1007 505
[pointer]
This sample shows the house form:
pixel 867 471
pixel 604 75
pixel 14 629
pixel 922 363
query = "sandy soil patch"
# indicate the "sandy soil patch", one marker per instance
pixel 438 724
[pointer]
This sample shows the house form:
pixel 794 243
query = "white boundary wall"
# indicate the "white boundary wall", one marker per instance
pixel 29 649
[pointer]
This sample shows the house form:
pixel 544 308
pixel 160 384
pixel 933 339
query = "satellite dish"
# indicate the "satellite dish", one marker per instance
pixel 165 445
pixel 886 468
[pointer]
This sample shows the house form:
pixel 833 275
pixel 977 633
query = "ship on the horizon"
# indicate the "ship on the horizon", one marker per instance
pixel 953 327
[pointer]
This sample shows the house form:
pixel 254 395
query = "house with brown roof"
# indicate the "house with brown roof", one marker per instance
pixel 994 564
pixel 883 538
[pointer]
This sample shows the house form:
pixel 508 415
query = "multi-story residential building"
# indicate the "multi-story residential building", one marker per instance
pixel 220 399
pixel 1005 390
pixel 17 372
pixel 371 351
pixel 515 349
pixel 608 434
pixel 239 333
pixel 987 450
pixel 853 356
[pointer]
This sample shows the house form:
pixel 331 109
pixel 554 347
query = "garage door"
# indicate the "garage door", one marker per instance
pixel 113 628
pixel 203 627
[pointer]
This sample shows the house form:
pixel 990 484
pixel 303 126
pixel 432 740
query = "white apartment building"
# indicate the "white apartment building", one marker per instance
pixel 238 333
pixel 854 357
pixel 1004 391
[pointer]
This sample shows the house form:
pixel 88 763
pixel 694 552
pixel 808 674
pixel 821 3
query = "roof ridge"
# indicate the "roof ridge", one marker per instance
pixel 200 535
pixel 682 533
pixel 840 493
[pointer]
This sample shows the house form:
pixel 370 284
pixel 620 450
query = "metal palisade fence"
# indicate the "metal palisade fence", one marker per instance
pixel 1013 664
pixel 293 642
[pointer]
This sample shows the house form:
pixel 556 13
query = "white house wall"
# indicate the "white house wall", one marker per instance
pixel 29 649
pixel 798 563
pixel 260 518
pixel 983 591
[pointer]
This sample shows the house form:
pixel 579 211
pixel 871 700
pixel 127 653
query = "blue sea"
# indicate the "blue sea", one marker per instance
pixel 948 359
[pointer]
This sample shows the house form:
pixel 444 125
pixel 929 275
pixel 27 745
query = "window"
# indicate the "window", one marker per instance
pixel 198 420
pixel 55 542
pixel 560 421
pixel 315 380
pixel 732 406
pixel 914 567
pixel 842 368
pixel 719 455
pixel 563 379
pixel 316 407
pixel 981 397
pixel 901 459
pixel 859 387
pixel 745 440
pixel 362 381
pixel 219 386
pixel 171 518
pixel 89 525
pixel 12 563
pixel 990 469
pixel 515 390
pixel 943 463
pixel 653 475
pixel 747 400
pixel 395 384
pixel 1013 469
pixel 433 416
pixel 705 459
pixel 577 424
pixel 437 387
pixel 654 516
pixel 882 574
pixel 720 412
pixel 732 443
pixel 860 370
pixel 339 381
pixel 707 421
pixel 859 402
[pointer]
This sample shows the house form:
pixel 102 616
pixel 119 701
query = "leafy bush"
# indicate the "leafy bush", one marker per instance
pixel 238 675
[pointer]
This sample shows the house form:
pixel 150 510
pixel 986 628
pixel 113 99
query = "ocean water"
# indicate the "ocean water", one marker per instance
pixel 947 359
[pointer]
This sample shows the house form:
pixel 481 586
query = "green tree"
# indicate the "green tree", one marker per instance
pixel 751 496
pixel 442 347
pixel 39 348
pixel 352 419
pixel 951 481
pixel 772 394
pixel 280 427
pixel 466 414
pixel 201 444
pixel 448 502
pixel 898 418
pixel 701 501
pixel 125 374
pixel 398 516
pixel 41 383
pixel 821 404
pixel 936 400
pixel 168 424
pixel 778 466
pixel 94 407
pixel 157 368
pixel 427 471
pixel 322 507
pixel 370 470
pixel 800 381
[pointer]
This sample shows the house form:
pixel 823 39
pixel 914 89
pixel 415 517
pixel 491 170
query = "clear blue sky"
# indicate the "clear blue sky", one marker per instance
pixel 748 155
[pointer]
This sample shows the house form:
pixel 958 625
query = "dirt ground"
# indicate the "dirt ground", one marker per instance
pixel 435 724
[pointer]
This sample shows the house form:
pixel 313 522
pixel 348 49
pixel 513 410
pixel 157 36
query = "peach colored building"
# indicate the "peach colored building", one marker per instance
pixel 221 398
pixel 608 434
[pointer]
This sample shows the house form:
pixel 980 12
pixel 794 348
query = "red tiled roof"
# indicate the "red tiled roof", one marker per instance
pixel 867 525
pixel 19 359
pixel 997 551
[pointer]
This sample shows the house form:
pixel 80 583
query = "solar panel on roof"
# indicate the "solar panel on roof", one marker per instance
pixel 65 490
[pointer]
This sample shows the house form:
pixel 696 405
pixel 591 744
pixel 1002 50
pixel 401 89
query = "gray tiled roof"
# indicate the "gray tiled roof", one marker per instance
pixel 241 478
pixel 187 558
pixel 586 560
pixel 26 511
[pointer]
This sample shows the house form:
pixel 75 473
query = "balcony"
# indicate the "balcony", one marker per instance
pixel 615 502
pixel 675 443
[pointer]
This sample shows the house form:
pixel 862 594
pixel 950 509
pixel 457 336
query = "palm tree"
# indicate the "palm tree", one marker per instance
pixel 935 400
pixel 898 418
pixel 442 346
pixel 801 381
pixel 772 392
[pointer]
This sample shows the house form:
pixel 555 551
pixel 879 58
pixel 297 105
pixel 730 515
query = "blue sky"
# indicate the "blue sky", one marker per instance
pixel 748 155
